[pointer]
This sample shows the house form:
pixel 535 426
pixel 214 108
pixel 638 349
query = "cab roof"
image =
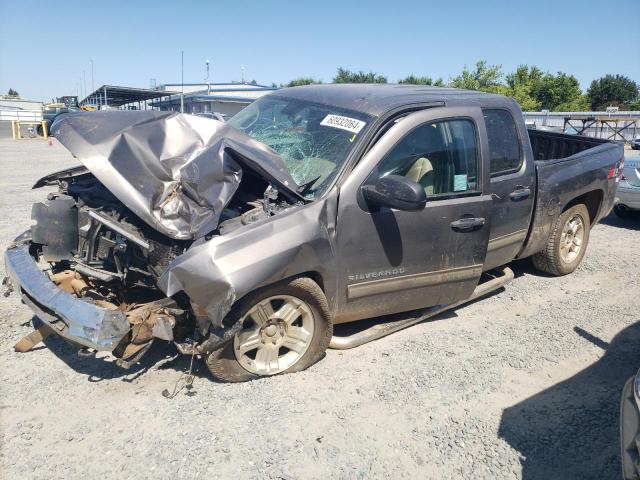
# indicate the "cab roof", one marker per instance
pixel 377 99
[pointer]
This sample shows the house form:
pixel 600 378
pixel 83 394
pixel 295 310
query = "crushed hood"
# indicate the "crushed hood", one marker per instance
pixel 176 172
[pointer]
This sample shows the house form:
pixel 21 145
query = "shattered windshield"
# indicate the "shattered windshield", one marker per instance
pixel 313 140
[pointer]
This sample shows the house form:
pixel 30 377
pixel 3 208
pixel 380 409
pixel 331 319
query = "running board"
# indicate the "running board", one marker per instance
pixel 383 329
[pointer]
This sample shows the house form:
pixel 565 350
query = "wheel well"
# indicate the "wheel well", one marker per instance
pixel 592 200
pixel 315 276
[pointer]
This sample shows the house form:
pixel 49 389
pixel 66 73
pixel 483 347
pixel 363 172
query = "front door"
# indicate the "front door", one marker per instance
pixel 392 260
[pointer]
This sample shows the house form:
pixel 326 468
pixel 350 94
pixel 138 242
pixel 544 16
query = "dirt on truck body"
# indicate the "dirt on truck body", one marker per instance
pixel 246 242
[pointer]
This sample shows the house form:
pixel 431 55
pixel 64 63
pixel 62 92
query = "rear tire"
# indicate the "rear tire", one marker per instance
pixel 261 348
pixel 567 242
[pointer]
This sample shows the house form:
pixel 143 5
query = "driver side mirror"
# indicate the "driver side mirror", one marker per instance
pixel 395 191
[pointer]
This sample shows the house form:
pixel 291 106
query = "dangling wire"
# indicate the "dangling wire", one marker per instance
pixel 188 378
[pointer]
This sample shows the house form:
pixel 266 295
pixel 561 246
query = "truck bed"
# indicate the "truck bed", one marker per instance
pixel 570 168
pixel 552 146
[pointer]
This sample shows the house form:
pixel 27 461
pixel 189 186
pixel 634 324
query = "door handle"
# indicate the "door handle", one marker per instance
pixel 520 193
pixel 467 224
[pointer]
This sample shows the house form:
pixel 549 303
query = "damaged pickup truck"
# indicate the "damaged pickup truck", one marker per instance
pixel 246 242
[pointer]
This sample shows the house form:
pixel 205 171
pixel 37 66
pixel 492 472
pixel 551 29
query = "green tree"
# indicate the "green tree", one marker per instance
pixel 580 104
pixel 13 93
pixel 484 77
pixel 413 80
pixel 520 85
pixel 612 90
pixel 555 90
pixel 296 82
pixel 347 76
pixel 524 75
pixel 521 93
pixel 534 90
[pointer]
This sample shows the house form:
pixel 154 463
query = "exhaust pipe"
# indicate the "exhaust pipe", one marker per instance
pixel 387 328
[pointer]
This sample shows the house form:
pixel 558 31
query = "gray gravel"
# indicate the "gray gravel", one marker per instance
pixel 524 384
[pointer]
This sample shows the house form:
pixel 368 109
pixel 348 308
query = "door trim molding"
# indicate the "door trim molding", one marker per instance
pixel 415 280
pixel 506 240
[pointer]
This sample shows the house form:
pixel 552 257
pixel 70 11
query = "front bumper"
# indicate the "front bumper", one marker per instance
pixel 83 323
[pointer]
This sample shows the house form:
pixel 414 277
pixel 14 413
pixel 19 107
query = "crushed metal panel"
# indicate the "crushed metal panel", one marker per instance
pixel 176 172
pixel 216 273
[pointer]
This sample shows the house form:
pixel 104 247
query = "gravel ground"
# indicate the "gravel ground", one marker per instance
pixel 524 384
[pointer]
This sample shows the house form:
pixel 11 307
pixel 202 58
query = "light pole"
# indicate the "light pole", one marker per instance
pixel 242 67
pixel 206 78
pixel 93 87
pixel 182 82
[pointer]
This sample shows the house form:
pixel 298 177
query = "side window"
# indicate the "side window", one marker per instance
pixel 441 156
pixel 504 145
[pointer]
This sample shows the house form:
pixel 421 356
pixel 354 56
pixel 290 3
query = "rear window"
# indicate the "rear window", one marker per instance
pixel 504 146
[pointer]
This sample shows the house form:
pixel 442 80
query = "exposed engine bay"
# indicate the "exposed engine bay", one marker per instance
pixel 132 245
pixel 100 251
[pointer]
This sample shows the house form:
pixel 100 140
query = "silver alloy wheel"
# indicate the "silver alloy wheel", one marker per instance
pixel 276 333
pixel 571 238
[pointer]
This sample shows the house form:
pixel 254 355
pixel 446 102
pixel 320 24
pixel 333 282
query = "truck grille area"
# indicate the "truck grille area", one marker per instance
pixel 84 228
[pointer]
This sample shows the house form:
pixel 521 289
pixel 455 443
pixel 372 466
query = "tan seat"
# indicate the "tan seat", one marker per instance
pixel 422 172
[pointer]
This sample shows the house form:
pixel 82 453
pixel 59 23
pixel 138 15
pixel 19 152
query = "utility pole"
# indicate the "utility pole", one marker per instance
pixel 206 79
pixel 182 83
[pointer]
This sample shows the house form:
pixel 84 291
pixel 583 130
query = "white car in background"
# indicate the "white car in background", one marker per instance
pixel 628 196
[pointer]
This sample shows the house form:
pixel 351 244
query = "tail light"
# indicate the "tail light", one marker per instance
pixel 616 172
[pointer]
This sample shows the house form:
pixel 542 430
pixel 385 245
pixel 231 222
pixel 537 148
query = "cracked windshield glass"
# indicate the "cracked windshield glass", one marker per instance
pixel 313 140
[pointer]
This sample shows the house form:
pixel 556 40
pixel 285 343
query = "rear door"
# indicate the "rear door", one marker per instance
pixel 512 185
pixel 393 261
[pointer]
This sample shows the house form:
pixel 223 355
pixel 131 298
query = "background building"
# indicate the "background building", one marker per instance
pixel 12 108
pixel 224 98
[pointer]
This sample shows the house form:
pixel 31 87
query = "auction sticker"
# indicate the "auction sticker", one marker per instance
pixel 344 123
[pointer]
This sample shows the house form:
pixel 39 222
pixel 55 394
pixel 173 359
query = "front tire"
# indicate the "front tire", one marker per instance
pixel 286 328
pixel 567 243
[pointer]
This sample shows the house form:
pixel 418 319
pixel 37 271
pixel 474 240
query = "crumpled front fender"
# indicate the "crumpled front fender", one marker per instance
pixel 217 273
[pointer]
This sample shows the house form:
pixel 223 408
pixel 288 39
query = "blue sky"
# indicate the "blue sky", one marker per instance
pixel 45 46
